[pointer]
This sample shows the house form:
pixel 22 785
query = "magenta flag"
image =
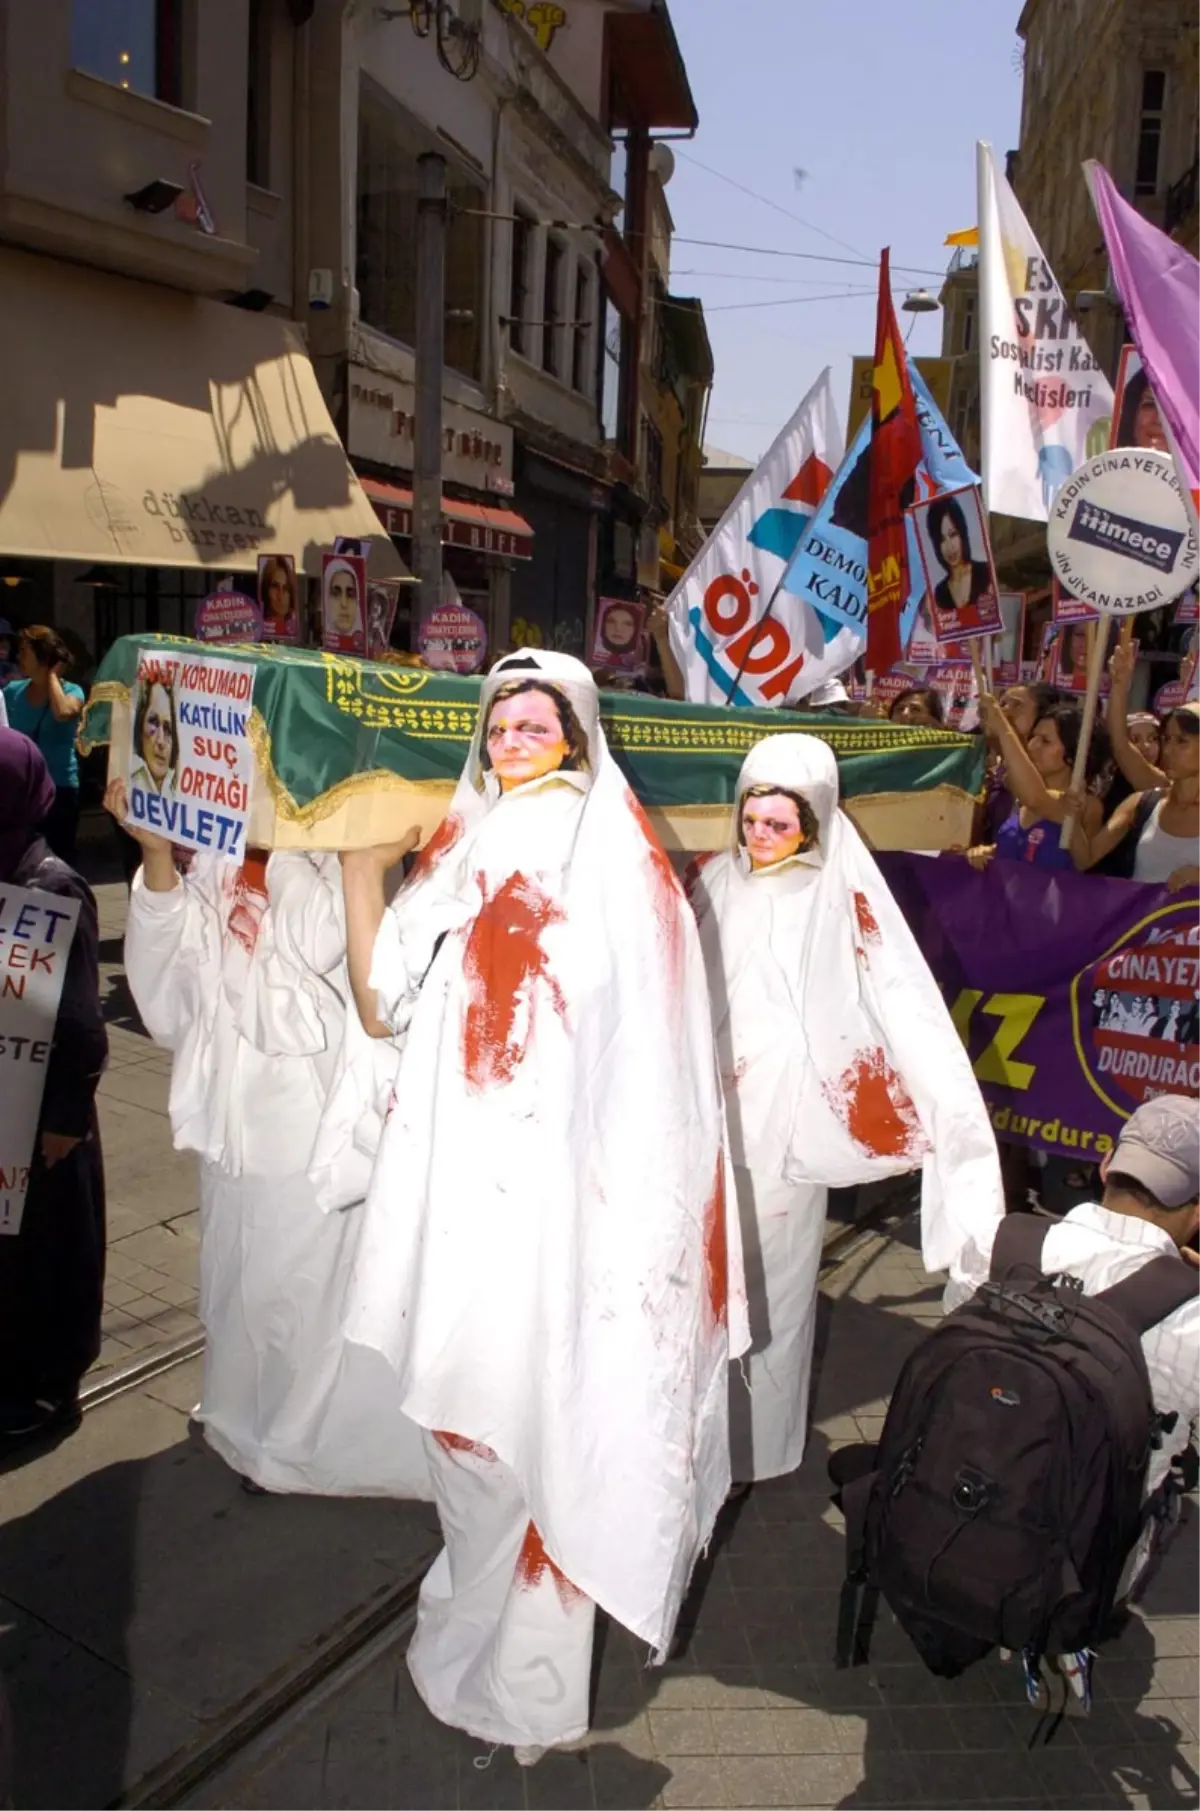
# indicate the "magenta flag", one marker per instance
pixel 1159 285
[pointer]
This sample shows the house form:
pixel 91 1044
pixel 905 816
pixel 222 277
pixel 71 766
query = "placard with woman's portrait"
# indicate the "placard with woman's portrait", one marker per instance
pixel 278 597
pixel 956 556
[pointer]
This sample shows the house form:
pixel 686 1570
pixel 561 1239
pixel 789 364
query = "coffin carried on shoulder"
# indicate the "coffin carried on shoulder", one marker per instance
pixel 347 752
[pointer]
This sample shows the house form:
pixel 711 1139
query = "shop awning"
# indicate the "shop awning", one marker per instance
pixel 143 426
pixel 474 525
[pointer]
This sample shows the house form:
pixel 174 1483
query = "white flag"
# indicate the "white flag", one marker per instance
pixel 1046 404
pixel 717 607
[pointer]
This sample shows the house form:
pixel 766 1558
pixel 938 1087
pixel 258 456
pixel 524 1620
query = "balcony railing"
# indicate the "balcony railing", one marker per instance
pixel 1181 198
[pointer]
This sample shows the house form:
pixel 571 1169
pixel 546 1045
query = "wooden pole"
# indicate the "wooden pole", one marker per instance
pixel 1097 649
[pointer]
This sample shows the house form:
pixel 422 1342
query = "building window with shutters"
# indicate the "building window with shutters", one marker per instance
pixel 581 331
pixel 552 309
pixel 518 280
pixel 1150 131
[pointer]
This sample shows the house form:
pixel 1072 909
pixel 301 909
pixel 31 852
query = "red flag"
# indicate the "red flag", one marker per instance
pixel 894 457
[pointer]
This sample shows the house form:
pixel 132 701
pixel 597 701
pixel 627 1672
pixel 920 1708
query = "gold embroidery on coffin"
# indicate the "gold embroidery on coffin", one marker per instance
pixel 110 692
pixel 697 736
pixel 384 697
pixel 376 781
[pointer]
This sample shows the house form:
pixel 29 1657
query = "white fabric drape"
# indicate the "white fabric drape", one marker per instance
pixel 551 1259
pixel 241 973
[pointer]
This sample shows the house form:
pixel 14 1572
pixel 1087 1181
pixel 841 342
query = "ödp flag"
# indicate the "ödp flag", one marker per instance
pixel 893 461
pixel 829 569
pixel 727 652
pixel 1158 282
pixel 1046 404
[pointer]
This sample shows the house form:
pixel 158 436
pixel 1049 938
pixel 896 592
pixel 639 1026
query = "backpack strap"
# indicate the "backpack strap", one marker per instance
pixel 1153 1292
pixel 1019 1241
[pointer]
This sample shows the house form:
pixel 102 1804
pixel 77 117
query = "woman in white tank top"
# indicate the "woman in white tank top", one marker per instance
pixel 1168 851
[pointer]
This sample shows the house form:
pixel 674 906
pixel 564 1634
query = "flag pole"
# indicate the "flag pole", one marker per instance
pixel 1096 652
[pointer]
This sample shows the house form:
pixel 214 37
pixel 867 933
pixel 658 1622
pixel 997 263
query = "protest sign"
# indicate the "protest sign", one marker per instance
pixel 1006 651
pixel 1119 536
pixel 228 616
pixel 343 591
pixel 35 941
pixel 191 764
pixel 1075 995
pixel 383 601
pixel 958 688
pixel 1066 609
pixel 1045 403
pixel 278 597
pixel 619 644
pixel 1187 610
pixel 956 559
pixel 1067 665
pixel 453 639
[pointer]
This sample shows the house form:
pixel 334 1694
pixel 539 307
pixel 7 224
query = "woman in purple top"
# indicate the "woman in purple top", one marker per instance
pixel 1038 777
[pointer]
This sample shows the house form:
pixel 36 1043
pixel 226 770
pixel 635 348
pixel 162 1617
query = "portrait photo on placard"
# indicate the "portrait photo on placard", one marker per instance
pixel 1136 419
pixel 1068 663
pixel 619 644
pixel 343 610
pixel 278 597
pixel 1006 648
pixel 956 557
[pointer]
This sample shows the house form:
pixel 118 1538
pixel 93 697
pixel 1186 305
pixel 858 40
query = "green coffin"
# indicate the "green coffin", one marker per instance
pixel 329 731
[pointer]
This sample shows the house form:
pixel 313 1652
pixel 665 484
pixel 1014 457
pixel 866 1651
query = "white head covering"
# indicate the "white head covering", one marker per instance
pixel 547 1258
pixel 839 1058
pixel 327 577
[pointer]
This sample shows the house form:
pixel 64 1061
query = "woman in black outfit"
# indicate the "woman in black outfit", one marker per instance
pixel 52 1270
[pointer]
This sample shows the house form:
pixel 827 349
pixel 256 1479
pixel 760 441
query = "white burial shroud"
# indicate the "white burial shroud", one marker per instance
pixel 550 1258
pixel 839 1057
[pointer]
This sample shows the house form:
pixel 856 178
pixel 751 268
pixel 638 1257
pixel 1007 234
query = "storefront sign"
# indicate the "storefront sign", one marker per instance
pixel 460 531
pixel 1119 536
pixel 476 451
pixel 35 940
pixel 191 763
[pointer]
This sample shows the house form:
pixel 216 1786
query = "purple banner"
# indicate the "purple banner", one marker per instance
pixel 1076 996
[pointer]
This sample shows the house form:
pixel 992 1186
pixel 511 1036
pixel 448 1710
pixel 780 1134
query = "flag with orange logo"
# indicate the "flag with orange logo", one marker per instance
pixel 891 484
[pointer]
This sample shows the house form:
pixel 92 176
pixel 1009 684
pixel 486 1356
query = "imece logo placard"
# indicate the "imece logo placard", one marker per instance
pixel 1144 542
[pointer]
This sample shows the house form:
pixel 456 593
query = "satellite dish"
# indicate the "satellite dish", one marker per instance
pixel 662 163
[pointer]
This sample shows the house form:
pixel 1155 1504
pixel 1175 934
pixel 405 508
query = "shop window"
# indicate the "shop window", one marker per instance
pixel 133 43
pixel 389 144
pixel 518 283
pixel 552 309
pixel 581 330
pixel 152 600
pixel 258 94
pixel 1150 130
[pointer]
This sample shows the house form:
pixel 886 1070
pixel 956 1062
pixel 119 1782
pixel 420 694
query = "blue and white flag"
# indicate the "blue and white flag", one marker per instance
pixel 828 571
pixel 730 650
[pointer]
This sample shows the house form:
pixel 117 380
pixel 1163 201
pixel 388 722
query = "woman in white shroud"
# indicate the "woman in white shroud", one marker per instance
pixel 840 1065
pixel 547 1258
pixel 239 971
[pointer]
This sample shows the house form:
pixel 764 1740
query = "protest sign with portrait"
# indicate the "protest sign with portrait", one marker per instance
pixel 1136 420
pixel 191 764
pixel 343 603
pixel 278 597
pixel 619 642
pixel 35 941
pixel 956 556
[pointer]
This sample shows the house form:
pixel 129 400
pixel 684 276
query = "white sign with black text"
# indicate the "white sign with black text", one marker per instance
pixel 1119 535
pixel 35 941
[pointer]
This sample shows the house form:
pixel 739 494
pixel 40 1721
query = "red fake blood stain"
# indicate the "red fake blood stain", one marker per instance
pixel 440 843
pixel 249 899
pixel 868 924
pixel 456 1443
pixel 533 1564
pixel 503 963
pixel 716 1250
pixel 666 892
pixel 877 1109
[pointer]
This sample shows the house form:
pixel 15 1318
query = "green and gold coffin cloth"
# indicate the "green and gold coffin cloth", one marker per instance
pixel 351 752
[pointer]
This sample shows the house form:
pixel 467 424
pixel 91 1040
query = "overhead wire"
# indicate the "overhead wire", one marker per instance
pixel 774 251
pixel 809 225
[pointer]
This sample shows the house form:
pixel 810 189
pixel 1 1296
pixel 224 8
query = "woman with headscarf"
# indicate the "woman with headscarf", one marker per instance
pixel 52 1269
pixel 840 1066
pixel 547 1260
pixel 239 971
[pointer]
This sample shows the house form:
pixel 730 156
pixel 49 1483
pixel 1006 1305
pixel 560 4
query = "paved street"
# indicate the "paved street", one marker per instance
pixel 751 1711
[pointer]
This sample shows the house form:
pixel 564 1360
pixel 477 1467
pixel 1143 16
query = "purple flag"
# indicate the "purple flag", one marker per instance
pixel 1159 285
